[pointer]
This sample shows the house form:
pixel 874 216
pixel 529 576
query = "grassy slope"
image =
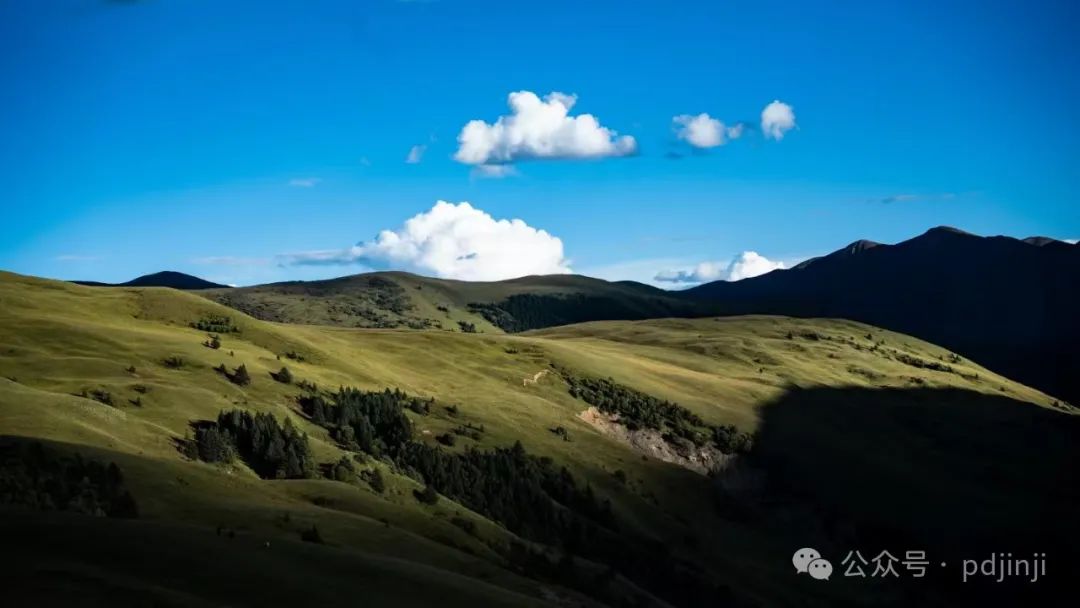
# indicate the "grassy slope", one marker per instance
pixel 340 301
pixel 58 339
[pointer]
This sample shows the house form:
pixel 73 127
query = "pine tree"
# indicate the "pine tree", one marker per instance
pixel 428 495
pixel 376 481
pixel 240 376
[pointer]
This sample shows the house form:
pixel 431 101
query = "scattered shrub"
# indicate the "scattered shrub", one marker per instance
pixel 284 375
pixel 99 395
pixel 468 525
pixel 344 470
pixel 428 495
pixel 374 478
pixel 561 432
pixel 173 362
pixel 311 535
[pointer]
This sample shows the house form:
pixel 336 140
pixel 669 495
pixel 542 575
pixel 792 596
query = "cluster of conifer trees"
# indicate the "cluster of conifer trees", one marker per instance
pixel 638 410
pixel 371 421
pixel 215 324
pixel 522 312
pixel 272 450
pixel 32 476
pixel 528 495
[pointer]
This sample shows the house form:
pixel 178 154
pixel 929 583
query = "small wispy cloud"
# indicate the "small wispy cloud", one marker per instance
pixel 743 266
pixel 364 161
pixel 228 260
pixel 416 154
pixel 1072 241
pixel 304 182
pixel 907 198
pixel 703 131
pixel 494 171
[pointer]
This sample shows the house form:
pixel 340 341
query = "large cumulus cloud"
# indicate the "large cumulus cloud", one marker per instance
pixel 539 129
pixel 454 241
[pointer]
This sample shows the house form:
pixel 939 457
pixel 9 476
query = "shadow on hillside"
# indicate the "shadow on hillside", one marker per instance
pixel 956 473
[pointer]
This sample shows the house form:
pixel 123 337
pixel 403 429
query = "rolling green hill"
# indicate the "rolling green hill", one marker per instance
pixel 401 299
pixel 843 416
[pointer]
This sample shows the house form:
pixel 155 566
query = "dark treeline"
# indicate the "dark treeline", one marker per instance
pixel 272 450
pixel 522 312
pixel 638 410
pixel 529 495
pixel 215 324
pixel 371 421
pixel 32 476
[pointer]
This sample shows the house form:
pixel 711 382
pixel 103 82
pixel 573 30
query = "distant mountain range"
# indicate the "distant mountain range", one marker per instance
pixel 401 299
pixel 1009 304
pixel 167 278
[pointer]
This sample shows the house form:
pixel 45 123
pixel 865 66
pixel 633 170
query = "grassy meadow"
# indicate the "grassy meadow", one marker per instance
pixel 61 344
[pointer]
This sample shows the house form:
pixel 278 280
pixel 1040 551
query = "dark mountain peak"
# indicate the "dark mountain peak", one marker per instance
pixel 1040 241
pixel 946 231
pixel 174 279
pixel 855 248
pixel 860 246
pixel 165 278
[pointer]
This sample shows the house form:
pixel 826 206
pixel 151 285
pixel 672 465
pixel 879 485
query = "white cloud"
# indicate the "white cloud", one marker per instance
pixel 416 154
pixel 745 265
pixel 776 119
pixel 1072 241
pixel 750 264
pixel 455 241
pixel 704 131
pixel 701 273
pixel 539 128
pixel 304 182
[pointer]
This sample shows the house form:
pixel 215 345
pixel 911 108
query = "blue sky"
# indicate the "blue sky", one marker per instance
pixel 232 139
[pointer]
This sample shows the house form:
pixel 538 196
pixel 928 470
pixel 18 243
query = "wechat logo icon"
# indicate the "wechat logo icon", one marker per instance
pixel 809 561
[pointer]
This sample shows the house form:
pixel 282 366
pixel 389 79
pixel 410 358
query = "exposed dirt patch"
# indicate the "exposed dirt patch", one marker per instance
pixel 704 460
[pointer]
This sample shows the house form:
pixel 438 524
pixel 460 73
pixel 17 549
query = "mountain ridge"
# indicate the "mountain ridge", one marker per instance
pixel 1001 300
